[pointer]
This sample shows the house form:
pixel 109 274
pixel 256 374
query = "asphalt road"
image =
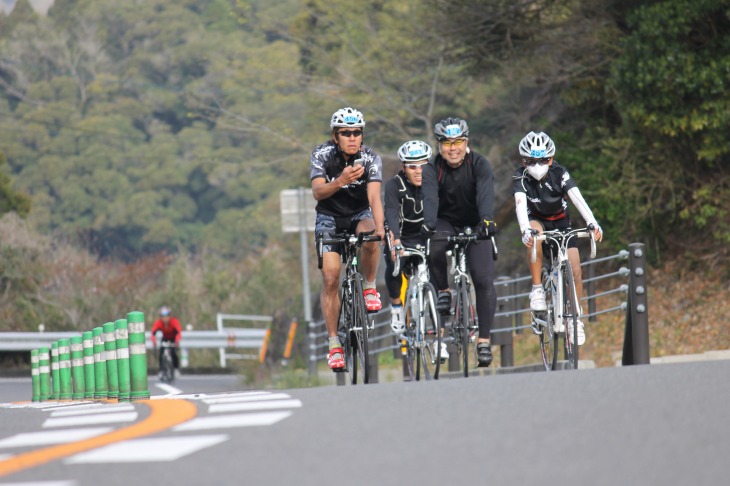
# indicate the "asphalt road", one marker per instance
pixel 648 425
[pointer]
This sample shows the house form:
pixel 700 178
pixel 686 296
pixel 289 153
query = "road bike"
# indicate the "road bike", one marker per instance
pixel 354 321
pixel 465 323
pixel 563 302
pixel 422 336
pixel 167 366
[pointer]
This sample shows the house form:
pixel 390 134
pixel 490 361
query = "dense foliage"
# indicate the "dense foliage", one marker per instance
pixel 154 126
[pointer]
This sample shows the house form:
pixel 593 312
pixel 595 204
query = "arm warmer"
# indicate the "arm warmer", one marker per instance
pixel 583 208
pixel 521 209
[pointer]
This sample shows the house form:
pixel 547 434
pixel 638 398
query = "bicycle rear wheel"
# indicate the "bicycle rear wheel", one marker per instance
pixel 570 316
pixel 358 334
pixel 549 337
pixel 428 343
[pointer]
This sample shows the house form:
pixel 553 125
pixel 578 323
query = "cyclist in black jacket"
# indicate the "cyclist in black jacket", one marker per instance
pixel 458 191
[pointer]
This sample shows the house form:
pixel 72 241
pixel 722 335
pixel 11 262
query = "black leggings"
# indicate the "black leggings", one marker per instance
pixel 394 283
pixel 481 267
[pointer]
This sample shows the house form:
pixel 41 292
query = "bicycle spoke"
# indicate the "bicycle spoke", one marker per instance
pixel 429 334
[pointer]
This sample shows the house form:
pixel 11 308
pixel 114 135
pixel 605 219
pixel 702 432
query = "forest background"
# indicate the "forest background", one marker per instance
pixel 144 144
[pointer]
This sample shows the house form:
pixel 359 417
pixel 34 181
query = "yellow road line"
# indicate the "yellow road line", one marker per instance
pixel 164 415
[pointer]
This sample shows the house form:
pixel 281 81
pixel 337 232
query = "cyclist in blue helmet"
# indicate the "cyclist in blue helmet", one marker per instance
pixel 541 188
pixel 346 179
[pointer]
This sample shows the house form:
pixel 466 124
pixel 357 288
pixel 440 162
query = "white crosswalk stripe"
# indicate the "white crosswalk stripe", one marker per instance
pixel 253 406
pixel 93 419
pixel 147 450
pixel 51 437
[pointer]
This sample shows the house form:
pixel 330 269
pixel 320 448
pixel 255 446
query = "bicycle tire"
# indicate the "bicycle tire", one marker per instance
pixel 410 341
pixel 358 332
pixel 429 335
pixel 570 316
pixel 462 311
pixel 168 374
pixel 343 326
pixel 548 338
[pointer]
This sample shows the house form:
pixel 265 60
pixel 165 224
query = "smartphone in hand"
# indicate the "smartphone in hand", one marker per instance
pixel 357 162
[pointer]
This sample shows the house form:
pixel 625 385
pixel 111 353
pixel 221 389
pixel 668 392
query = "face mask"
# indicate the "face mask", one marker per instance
pixel 537 171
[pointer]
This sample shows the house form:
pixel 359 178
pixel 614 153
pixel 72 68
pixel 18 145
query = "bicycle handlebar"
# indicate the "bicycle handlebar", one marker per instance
pixel 406 252
pixel 343 238
pixel 564 236
pixel 467 236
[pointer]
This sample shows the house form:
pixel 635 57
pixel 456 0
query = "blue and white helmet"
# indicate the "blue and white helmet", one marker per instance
pixel 347 117
pixel 414 151
pixel 537 145
pixel 451 128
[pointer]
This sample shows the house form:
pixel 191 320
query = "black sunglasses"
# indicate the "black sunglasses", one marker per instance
pixel 531 161
pixel 350 133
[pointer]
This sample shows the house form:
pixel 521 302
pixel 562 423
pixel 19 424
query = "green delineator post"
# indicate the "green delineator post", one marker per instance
pixel 110 344
pixel 35 375
pixel 64 368
pixel 77 368
pixel 137 356
pixel 101 390
pixel 125 390
pixel 55 379
pixel 89 379
pixel 44 371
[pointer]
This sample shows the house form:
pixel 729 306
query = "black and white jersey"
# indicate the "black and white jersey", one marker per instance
pixel 403 207
pixel 547 198
pixel 328 163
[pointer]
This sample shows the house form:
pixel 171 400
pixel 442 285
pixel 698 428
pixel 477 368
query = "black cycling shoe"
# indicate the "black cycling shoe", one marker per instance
pixel 443 302
pixel 484 355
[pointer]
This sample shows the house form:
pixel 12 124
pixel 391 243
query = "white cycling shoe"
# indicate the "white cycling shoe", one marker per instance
pixel 397 322
pixel 444 352
pixel 537 300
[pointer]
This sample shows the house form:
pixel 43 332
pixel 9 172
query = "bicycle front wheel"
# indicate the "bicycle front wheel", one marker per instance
pixel 429 335
pixel 358 334
pixel 570 317
pixel 168 373
pixel 549 337
pixel 462 321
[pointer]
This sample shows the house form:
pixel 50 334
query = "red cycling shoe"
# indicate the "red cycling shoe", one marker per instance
pixel 372 300
pixel 336 359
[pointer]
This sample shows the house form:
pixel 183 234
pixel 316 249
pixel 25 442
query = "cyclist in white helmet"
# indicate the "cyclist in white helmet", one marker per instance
pixel 458 191
pixel 346 179
pixel 541 188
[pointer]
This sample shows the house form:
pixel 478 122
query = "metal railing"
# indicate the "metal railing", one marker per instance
pixel 513 313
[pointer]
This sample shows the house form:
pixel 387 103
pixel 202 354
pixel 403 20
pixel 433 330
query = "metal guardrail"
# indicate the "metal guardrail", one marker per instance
pixel 512 307
pixel 226 338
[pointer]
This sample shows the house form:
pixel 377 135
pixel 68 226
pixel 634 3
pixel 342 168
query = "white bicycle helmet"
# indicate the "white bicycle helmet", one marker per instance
pixel 414 151
pixel 347 118
pixel 450 128
pixel 164 311
pixel 537 145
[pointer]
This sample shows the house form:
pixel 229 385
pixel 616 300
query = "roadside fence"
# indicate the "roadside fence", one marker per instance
pixel 624 275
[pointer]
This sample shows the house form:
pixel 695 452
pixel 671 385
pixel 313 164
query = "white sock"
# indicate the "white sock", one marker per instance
pixel 334 342
pixel 535 287
pixel 368 285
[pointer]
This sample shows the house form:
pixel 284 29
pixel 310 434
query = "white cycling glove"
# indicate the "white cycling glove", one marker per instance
pixel 527 236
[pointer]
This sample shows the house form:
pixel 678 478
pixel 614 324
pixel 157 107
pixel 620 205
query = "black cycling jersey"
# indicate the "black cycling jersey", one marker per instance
pixel 546 199
pixel 463 196
pixel 328 162
pixel 403 207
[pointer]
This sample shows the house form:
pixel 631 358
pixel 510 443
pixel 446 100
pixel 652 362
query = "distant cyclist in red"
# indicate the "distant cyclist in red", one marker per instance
pixel 171 332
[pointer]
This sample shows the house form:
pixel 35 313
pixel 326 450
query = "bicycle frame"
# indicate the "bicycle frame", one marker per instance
pixel 421 308
pixel 352 314
pixel 557 268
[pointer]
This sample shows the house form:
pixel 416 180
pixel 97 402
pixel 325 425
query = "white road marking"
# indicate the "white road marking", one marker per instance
pixel 250 406
pixel 171 390
pixel 126 407
pixel 44 483
pixel 147 450
pixel 228 421
pixel 52 437
pixel 106 418
pixel 61 406
pixel 246 398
